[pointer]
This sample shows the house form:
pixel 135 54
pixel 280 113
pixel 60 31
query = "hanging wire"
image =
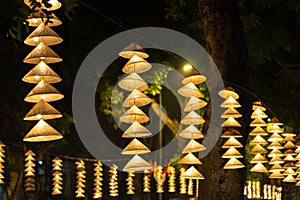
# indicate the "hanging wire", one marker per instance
pixel 117 24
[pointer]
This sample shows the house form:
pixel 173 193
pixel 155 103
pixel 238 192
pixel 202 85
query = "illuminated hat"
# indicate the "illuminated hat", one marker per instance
pixel 136 130
pixel 191 132
pixel 233 163
pixel 228 92
pixel 189 90
pixel 190 159
pixel 192 173
pixel 192 118
pixel 194 104
pixel 133 81
pixel 134 114
pixel 133 49
pixel 232 152
pixel 135 147
pixel 42 110
pixel 137 164
pixel 136 64
pixel 196 79
pixel 232 142
pixel 137 98
pixel 259 167
pixel 193 146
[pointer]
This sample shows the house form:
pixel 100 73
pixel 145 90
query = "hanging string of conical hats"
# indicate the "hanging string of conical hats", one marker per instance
pixel 42 75
pixel 192 120
pixel 135 84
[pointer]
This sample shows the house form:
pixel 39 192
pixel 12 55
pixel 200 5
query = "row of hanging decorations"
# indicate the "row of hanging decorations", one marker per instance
pixel 42 75
pixel 57 178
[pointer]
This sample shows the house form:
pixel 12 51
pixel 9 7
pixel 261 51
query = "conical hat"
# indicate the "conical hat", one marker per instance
pixel 275 152
pixel 229 91
pixel 258 131
pixel 258 140
pixel 30 164
pixel 194 104
pixel 258 158
pixel 275 120
pixel 196 79
pixel 193 146
pixel 134 114
pixel 54 4
pixel 42 132
pixel 56 191
pixel 45 91
pixel 276 168
pixel 133 81
pixel 190 159
pixel 39 17
pixel 232 152
pixel 276 160
pixel 289 158
pixel 258 104
pixel 258 113
pixel 29 153
pixel 133 49
pixel 135 147
pixel 231 132
pixel 289 179
pixel 289 171
pixel 191 132
pixel 29 169
pixel 274 145
pixel 137 164
pixel 288 133
pixel 230 111
pixel 298 149
pixel 276 175
pixel 44 53
pixel 258 122
pixel 192 118
pixel 290 165
pixel 137 98
pixel 231 122
pixel 258 149
pixel 136 130
pixel 289 145
pixel 43 33
pixel 42 110
pixel 41 72
pixel 232 142
pixel 275 137
pixel 275 128
pixel 192 173
pixel 230 101
pixel 289 138
pixel 260 168
pixel 233 163
pixel 189 90
pixel 136 64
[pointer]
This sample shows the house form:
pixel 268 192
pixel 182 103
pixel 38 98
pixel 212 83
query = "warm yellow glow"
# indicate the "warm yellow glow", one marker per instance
pixel 187 67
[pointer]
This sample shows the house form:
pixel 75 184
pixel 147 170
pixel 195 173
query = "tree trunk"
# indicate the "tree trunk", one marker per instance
pixel 226 44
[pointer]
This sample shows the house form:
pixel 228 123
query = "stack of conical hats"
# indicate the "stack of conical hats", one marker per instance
pixel 257 138
pixel 42 75
pixel 135 84
pixel 231 124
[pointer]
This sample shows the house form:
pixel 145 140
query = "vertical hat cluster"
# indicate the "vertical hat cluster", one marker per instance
pixel 113 181
pixel 289 158
pixel 146 181
pixel 258 141
pixel 193 122
pixel 2 156
pixel 41 74
pixel 29 171
pixel 135 84
pixel 57 176
pixel 80 176
pixel 130 183
pixel 231 125
pixel 98 180
pixel 275 153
